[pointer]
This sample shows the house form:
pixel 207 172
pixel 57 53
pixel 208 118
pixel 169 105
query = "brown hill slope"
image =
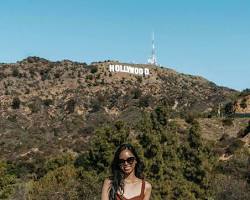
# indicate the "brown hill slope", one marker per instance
pixel 54 106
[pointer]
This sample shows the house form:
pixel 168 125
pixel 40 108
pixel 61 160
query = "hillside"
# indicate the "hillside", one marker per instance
pixel 60 122
pixel 47 104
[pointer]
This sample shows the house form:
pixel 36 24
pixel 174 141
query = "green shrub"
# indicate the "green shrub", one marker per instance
pixel 35 105
pixel 93 69
pixel 227 122
pixel 89 77
pixel 189 118
pixel 144 101
pixel 236 145
pixel 136 93
pixel 229 109
pixel 48 102
pixel 15 72
pixel 70 105
pixel 7 181
pixel 243 103
pixel 16 103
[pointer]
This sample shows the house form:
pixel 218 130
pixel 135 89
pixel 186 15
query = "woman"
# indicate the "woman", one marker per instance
pixel 126 182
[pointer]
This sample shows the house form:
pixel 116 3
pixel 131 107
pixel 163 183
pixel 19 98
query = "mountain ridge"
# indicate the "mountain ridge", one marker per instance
pixel 46 104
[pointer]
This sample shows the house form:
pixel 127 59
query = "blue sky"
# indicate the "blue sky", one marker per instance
pixel 210 38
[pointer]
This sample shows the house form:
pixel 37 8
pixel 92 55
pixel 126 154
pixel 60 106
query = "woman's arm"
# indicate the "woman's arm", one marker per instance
pixel 105 189
pixel 148 189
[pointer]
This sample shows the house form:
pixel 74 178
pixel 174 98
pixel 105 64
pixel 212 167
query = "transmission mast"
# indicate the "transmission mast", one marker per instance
pixel 152 59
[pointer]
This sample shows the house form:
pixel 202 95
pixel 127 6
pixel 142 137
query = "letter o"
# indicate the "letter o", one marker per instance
pixel 117 68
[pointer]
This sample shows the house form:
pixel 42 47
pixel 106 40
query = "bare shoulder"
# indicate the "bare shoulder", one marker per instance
pixel 148 185
pixel 106 189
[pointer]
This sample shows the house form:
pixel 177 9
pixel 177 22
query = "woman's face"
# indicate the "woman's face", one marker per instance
pixel 127 161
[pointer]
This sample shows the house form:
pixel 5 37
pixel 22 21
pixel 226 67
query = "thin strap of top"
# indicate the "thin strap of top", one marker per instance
pixel 142 188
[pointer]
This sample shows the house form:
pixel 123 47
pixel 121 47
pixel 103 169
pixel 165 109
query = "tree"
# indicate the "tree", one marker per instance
pixel 229 109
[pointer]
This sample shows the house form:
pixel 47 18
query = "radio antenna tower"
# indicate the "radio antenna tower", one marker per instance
pixel 152 59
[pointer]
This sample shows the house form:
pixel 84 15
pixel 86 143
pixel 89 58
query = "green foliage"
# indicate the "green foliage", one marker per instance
pixel 190 118
pixel 236 145
pixel 93 69
pixel 48 102
pixel 229 188
pixel 35 104
pixel 15 72
pixel 16 103
pixel 247 129
pixel 229 109
pixel 70 105
pixel 59 161
pixel 89 77
pixel 136 93
pixel 245 92
pixel 139 79
pixel 227 122
pixel 178 165
pixel 182 168
pixel 99 155
pixel 44 73
pixel 58 184
pixel 7 181
pixel 231 178
pixel 57 74
pixel 160 117
pixel 144 101
pixel 243 103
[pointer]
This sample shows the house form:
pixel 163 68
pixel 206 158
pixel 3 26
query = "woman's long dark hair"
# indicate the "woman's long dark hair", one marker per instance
pixel 117 182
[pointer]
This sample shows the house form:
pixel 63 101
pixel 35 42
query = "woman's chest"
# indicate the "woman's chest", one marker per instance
pixel 132 190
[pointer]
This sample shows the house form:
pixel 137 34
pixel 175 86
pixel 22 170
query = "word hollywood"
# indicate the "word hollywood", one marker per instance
pixel 129 69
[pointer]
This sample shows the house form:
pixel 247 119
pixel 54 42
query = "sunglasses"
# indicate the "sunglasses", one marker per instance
pixel 129 160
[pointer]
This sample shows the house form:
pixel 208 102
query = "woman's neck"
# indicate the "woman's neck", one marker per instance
pixel 130 178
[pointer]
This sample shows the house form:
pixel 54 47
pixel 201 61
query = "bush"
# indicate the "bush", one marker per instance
pixel 48 102
pixel 144 101
pixel 35 105
pixel 236 145
pixel 58 184
pixel 57 74
pixel 139 79
pixel 89 77
pixel 93 69
pixel 229 109
pixel 70 105
pixel 243 103
pixel 95 105
pixel 16 103
pixel 243 132
pixel 227 122
pixel 230 188
pixel 7 181
pixel 136 93
pixel 189 118
pixel 15 72
pixel 245 92
pixel 44 74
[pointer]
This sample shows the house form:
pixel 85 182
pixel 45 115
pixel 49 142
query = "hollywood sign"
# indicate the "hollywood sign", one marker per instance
pixel 129 69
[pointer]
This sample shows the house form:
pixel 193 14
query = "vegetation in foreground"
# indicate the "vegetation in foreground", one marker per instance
pixel 179 164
